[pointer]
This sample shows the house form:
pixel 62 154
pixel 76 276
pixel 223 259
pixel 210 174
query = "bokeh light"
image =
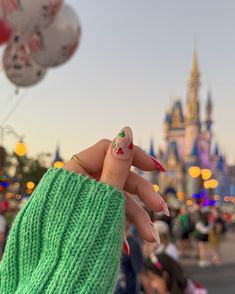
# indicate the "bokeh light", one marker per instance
pixel 194 171
pixel 206 174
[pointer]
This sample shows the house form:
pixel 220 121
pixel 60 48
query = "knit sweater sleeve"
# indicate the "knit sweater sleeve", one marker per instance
pixel 66 240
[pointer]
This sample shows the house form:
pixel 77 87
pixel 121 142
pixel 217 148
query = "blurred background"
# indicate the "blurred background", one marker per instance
pixel 73 72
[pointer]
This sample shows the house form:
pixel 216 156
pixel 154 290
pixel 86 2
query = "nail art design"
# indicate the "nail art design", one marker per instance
pixel 126 247
pixel 155 234
pixel 123 144
pixel 164 206
pixel 158 165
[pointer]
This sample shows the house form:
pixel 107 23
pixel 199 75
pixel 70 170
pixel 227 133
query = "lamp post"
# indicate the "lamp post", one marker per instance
pixel 20 148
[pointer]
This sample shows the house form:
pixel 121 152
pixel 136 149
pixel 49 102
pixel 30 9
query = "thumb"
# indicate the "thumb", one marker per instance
pixel 118 160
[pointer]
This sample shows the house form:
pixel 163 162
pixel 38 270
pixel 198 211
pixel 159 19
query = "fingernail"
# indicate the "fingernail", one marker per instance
pixel 155 234
pixel 158 165
pixel 126 247
pixel 164 206
pixel 122 147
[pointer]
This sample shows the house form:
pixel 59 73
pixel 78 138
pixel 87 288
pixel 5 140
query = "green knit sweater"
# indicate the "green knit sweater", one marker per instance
pixel 67 239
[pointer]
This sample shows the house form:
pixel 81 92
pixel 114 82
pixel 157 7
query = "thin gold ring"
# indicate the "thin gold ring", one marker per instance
pixel 78 160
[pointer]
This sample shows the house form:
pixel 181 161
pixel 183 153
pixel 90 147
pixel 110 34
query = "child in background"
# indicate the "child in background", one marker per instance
pixel 164 276
pixel 166 246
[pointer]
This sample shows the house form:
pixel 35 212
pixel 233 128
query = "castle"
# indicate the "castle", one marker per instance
pixel 188 142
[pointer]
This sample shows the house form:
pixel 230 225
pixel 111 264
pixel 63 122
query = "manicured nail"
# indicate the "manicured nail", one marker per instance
pixel 122 146
pixel 155 234
pixel 158 165
pixel 164 206
pixel 126 247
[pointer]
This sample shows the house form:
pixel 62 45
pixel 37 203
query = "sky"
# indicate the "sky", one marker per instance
pixel 134 59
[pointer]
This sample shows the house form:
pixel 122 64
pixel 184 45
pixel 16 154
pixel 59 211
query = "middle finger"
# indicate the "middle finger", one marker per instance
pixel 138 185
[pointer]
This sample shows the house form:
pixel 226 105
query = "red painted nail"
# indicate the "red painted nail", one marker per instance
pixel 126 247
pixel 158 165
pixel 164 207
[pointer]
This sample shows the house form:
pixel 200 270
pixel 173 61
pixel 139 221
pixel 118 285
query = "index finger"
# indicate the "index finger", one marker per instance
pixel 94 157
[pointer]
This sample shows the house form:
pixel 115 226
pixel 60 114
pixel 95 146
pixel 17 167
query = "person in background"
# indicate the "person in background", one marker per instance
pixel 186 229
pixel 3 229
pixel 166 276
pixel 131 264
pixel 217 230
pixel 202 232
pixel 166 246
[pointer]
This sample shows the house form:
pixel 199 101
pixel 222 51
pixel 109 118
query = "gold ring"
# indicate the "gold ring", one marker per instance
pixel 78 160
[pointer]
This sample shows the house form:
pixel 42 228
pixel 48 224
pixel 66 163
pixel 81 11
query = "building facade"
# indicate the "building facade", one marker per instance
pixel 189 142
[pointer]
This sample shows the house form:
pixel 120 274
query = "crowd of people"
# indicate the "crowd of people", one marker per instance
pixel 156 268
pixel 152 268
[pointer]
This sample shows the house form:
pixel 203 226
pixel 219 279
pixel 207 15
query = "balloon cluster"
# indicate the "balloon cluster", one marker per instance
pixel 39 34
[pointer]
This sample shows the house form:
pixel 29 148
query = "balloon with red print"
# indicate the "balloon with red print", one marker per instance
pixel 18 65
pixel 5 31
pixel 60 41
pixel 1 11
pixel 30 15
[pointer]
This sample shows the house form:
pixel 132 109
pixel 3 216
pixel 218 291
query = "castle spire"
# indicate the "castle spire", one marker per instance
pixel 151 150
pixel 192 107
pixel 58 161
pixel 192 113
pixel 209 107
pixel 195 72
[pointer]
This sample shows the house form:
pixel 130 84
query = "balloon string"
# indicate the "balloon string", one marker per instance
pixel 6 102
pixel 14 108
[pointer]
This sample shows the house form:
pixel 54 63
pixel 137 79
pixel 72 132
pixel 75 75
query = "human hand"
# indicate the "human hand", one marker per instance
pixel 110 162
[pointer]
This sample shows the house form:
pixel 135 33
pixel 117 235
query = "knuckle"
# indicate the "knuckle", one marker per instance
pixel 104 141
pixel 114 173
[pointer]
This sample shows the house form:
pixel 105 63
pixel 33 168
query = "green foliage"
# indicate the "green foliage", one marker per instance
pixel 25 169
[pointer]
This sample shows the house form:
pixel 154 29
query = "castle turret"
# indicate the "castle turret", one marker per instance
pixel 151 149
pixel 167 125
pixel 216 151
pixel 58 161
pixel 192 115
pixel 209 108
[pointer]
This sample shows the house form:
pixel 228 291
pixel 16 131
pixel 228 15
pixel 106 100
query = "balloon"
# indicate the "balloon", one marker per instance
pixel 5 31
pixel 29 15
pixel 1 11
pixel 60 41
pixel 19 67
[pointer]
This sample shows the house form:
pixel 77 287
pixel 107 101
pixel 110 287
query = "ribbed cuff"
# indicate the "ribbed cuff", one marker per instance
pixel 67 239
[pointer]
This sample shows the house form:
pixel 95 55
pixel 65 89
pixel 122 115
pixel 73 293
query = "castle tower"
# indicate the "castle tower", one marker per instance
pixel 58 161
pixel 192 115
pixel 166 125
pixel 209 108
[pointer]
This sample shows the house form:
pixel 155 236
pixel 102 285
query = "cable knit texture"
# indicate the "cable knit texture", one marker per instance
pixel 66 240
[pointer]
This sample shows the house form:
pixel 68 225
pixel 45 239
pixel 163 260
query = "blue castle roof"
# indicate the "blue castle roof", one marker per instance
pixel 195 150
pixel 216 150
pixel 151 150
pixel 220 163
pixel 57 155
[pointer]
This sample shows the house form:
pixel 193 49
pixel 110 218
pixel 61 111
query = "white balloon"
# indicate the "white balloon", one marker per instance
pixel 29 15
pixel 60 41
pixel 19 66
pixel 1 11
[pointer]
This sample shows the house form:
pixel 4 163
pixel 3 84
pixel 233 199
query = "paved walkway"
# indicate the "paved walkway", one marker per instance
pixel 218 280
pixel 227 252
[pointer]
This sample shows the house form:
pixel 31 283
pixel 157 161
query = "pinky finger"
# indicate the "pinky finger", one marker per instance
pixel 137 215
